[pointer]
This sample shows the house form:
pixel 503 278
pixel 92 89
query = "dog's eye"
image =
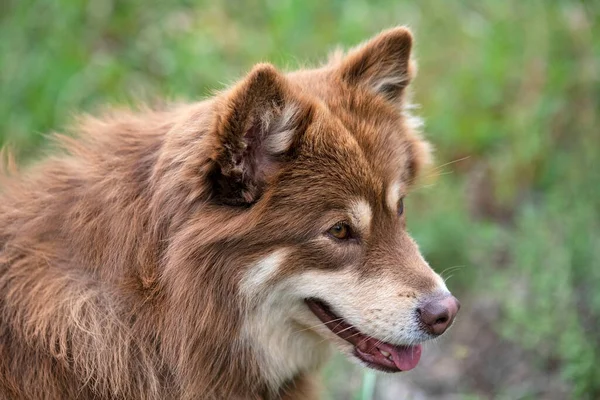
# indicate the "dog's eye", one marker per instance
pixel 341 231
pixel 401 206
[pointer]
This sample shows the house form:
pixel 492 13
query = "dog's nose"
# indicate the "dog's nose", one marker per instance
pixel 437 314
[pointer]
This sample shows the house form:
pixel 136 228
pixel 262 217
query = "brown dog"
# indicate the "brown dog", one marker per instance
pixel 217 250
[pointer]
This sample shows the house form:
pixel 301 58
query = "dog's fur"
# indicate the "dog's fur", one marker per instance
pixel 167 254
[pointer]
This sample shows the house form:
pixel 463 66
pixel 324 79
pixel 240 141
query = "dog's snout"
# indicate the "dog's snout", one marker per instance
pixel 438 313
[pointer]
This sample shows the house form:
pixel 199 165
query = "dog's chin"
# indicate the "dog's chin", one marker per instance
pixel 364 349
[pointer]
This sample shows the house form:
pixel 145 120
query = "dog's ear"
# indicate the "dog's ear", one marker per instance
pixel 382 64
pixel 257 125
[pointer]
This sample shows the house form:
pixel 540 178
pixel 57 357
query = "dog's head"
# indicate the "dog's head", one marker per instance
pixel 313 166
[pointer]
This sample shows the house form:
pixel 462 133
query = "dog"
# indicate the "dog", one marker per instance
pixel 222 249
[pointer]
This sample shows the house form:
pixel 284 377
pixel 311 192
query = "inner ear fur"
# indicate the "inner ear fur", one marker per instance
pixel 383 64
pixel 258 123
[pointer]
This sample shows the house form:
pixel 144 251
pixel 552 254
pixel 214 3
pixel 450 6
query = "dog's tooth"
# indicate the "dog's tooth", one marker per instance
pixel 385 353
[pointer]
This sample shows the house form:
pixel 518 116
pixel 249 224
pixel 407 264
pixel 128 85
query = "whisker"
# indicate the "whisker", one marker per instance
pixel 384 340
pixel 451 269
pixel 364 340
pixel 345 329
pixel 351 336
pixel 437 168
pixel 414 189
pixel 338 324
pixel 356 334
pixel 434 174
pixel 438 171
pixel 316 326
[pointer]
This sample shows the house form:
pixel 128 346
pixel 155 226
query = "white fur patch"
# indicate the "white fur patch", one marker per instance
pixel 393 80
pixel 361 213
pixel 416 123
pixel 393 196
pixel 261 272
pixel 274 331
pixel 282 130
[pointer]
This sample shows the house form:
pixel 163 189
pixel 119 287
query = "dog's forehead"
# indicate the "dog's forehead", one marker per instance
pixel 379 131
pixel 380 128
pixel 345 167
pixel 368 139
pixel 359 139
pixel 337 159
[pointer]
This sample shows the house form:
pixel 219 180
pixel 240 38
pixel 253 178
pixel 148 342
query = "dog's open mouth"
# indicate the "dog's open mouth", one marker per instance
pixel 375 353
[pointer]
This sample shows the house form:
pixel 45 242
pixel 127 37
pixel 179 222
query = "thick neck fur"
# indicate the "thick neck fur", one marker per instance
pixel 112 296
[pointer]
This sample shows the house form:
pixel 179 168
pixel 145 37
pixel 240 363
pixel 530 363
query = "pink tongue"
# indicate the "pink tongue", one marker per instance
pixel 406 357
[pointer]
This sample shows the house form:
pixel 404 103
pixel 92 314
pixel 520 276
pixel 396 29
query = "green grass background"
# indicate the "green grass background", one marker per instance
pixel 508 88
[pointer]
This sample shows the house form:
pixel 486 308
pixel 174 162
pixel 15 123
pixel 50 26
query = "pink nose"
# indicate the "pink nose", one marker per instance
pixel 437 313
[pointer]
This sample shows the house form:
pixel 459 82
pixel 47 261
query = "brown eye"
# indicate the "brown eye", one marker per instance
pixel 341 231
pixel 401 206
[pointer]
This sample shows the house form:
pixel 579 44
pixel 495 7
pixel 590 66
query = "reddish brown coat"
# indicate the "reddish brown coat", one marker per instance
pixel 121 255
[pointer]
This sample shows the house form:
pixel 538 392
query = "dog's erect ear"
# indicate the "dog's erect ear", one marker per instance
pixel 258 122
pixel 383 63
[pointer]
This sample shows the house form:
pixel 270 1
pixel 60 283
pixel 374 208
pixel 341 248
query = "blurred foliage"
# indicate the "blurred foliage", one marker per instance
pixel 509 91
